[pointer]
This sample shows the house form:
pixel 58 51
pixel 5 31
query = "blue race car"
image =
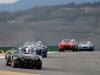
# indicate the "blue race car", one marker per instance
pixel 85 46
pixel 41 46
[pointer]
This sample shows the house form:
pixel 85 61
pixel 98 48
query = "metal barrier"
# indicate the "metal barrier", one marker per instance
pixel 52 48
pixel 5 49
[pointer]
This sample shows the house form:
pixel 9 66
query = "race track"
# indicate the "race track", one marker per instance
pixel 63 63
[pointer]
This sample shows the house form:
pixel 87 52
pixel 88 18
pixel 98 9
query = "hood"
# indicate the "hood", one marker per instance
pixel 26 55
pixel 84 45
pixel 67 44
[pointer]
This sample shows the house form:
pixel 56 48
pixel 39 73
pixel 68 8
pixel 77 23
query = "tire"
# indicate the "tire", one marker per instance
pixel 73 50
pixel 63 50
pixel 13 64
pixel 59 50
pixel 39 52
pixel 76 49
pixel 8 61
pixel 45 55
pixel 92 49
pixel 39 66
pixel 7 64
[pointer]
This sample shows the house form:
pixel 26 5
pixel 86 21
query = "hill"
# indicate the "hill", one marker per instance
pixel 51 24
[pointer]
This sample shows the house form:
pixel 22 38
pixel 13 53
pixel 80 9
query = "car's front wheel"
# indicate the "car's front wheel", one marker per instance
pixel 39 66
pixel 63 50
pixel 13 64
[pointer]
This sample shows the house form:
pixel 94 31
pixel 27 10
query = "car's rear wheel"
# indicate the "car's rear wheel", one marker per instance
pixel 45 55
pixel 7 63
pixel 59 50
pixel 76 49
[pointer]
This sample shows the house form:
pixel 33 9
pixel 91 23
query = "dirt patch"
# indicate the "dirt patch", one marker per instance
pixel 14 73
pixel 2 54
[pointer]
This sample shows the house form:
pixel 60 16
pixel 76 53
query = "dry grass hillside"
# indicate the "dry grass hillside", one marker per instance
pixel 50 32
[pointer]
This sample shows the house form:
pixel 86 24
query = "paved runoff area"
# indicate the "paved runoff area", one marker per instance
pixel 2 54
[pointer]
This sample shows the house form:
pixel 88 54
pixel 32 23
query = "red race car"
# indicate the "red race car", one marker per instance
pixel 68 44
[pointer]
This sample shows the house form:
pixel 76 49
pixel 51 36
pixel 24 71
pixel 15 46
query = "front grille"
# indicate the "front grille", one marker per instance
pixel 26 61
pixel 84 47
pixel 65 46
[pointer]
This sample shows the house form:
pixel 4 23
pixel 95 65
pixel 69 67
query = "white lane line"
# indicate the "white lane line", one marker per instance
pixel 48 52
pixel 2 57
pixel 53 52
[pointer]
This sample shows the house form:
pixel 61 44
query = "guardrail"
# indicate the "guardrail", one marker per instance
pixel 53 48
pixel 9 49
pixel 5 49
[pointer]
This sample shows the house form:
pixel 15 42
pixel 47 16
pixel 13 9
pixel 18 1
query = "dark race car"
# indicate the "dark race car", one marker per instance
pixel 39 47
pixel 24 58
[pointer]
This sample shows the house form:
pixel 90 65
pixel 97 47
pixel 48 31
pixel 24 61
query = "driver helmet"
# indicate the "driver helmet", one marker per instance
pixel 88 42
pixel 73 40
pixel 39 43
pixel 28 49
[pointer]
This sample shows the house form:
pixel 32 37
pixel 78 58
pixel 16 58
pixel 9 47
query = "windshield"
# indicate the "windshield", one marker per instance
pixel 68 40
pixel 85 42
pixel 24 49
pixel 34 43
pixel 28 44
pixel 39 44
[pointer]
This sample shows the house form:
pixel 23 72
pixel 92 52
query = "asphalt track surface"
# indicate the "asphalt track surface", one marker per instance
pixel 63 63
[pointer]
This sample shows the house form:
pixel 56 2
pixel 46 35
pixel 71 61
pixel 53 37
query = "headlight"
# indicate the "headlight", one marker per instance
pixel 36 58
pixel 15 57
